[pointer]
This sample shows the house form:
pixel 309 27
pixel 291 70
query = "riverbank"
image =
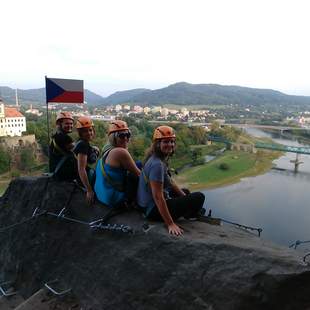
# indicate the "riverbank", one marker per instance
pixel 227 169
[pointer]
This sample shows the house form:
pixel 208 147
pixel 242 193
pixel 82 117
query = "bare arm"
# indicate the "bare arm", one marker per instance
pixel 176 188
pixel 82 163
pixel 158 196
pixel 126 161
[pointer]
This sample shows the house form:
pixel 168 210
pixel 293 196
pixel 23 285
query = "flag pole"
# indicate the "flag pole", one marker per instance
pixel 48 126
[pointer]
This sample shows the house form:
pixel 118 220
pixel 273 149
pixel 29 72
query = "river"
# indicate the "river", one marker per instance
pixel 278 201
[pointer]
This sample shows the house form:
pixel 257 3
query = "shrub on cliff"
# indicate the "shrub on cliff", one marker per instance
pixel 224 166
pixel 4 160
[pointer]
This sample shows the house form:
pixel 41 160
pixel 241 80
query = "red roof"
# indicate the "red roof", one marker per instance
pixel 12 112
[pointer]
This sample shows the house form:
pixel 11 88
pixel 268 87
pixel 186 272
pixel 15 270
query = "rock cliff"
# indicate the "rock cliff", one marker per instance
pixel 113 267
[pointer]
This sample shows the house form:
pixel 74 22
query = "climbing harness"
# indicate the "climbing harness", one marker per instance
pixel 70 159
pixel 57 147
pixel 116 185
pixel 93 151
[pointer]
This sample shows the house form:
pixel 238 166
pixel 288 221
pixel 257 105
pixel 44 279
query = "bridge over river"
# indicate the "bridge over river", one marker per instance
pixel 283 148
pixel 271 127
pixel 269 146
pixel 280 128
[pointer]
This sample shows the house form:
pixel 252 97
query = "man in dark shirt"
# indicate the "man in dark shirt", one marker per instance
pixel 61 159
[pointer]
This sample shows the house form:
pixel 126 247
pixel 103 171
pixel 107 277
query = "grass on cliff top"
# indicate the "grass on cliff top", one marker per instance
pixel 7 177
pixel 241 164
pixel 4 183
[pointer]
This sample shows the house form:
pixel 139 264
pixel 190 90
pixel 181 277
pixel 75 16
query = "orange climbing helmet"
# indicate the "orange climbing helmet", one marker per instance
pixel 163 132
pixel 84 122
pixel 117 125
pixel 64 115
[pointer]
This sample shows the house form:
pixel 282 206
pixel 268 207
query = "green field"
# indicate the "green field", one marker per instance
pixel 240 164
pixel 178 162
pixel 7 177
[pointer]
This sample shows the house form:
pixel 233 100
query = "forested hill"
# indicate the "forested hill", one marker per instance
pixel 212 94
pixel 126 96
pixel 179 94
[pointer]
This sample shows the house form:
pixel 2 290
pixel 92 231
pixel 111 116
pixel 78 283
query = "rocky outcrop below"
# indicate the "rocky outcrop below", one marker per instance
pixel 138 265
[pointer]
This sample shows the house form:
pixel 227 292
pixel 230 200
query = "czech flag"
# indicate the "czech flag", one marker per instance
pixel 64 90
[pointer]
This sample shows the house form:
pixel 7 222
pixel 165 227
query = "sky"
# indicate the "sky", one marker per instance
pixel 117 45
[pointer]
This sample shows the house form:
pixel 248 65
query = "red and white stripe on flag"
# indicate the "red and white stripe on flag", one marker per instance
pixel 64 90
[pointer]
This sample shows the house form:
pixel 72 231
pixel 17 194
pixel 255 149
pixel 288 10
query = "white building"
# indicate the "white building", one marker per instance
pixel 303 120
pixel 173 112
pixel 184 111
pixel 164 112
pixel 12 122
pixel 103 117
pixel 146 110
pixel 33 111
pixel 118 108
pixel 156 109
pixel 138 109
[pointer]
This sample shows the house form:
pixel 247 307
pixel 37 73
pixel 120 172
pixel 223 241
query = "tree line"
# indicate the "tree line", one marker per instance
pixel 142 132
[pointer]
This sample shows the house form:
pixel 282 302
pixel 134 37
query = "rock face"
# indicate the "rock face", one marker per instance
pixel 210 267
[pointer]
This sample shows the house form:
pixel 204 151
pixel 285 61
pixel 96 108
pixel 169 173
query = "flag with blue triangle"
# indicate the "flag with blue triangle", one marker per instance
pixel 64 90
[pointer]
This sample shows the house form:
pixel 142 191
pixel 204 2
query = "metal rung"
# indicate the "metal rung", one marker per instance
pixel 62 212
pixel 35 212
pixel 4 291
pixel 147 227
pixel 97 222
pixel 48 286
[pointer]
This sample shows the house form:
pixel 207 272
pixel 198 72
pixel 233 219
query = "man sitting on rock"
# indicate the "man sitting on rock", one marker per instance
pixel 61 160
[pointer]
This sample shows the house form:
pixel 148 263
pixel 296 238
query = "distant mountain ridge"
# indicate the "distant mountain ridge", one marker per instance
pixel 182 93
pixel 212 94
pixel 126 95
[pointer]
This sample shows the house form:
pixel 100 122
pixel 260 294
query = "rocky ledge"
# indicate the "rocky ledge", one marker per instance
pixel 131 264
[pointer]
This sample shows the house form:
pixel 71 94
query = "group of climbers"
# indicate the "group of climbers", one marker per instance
pixel 115 178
